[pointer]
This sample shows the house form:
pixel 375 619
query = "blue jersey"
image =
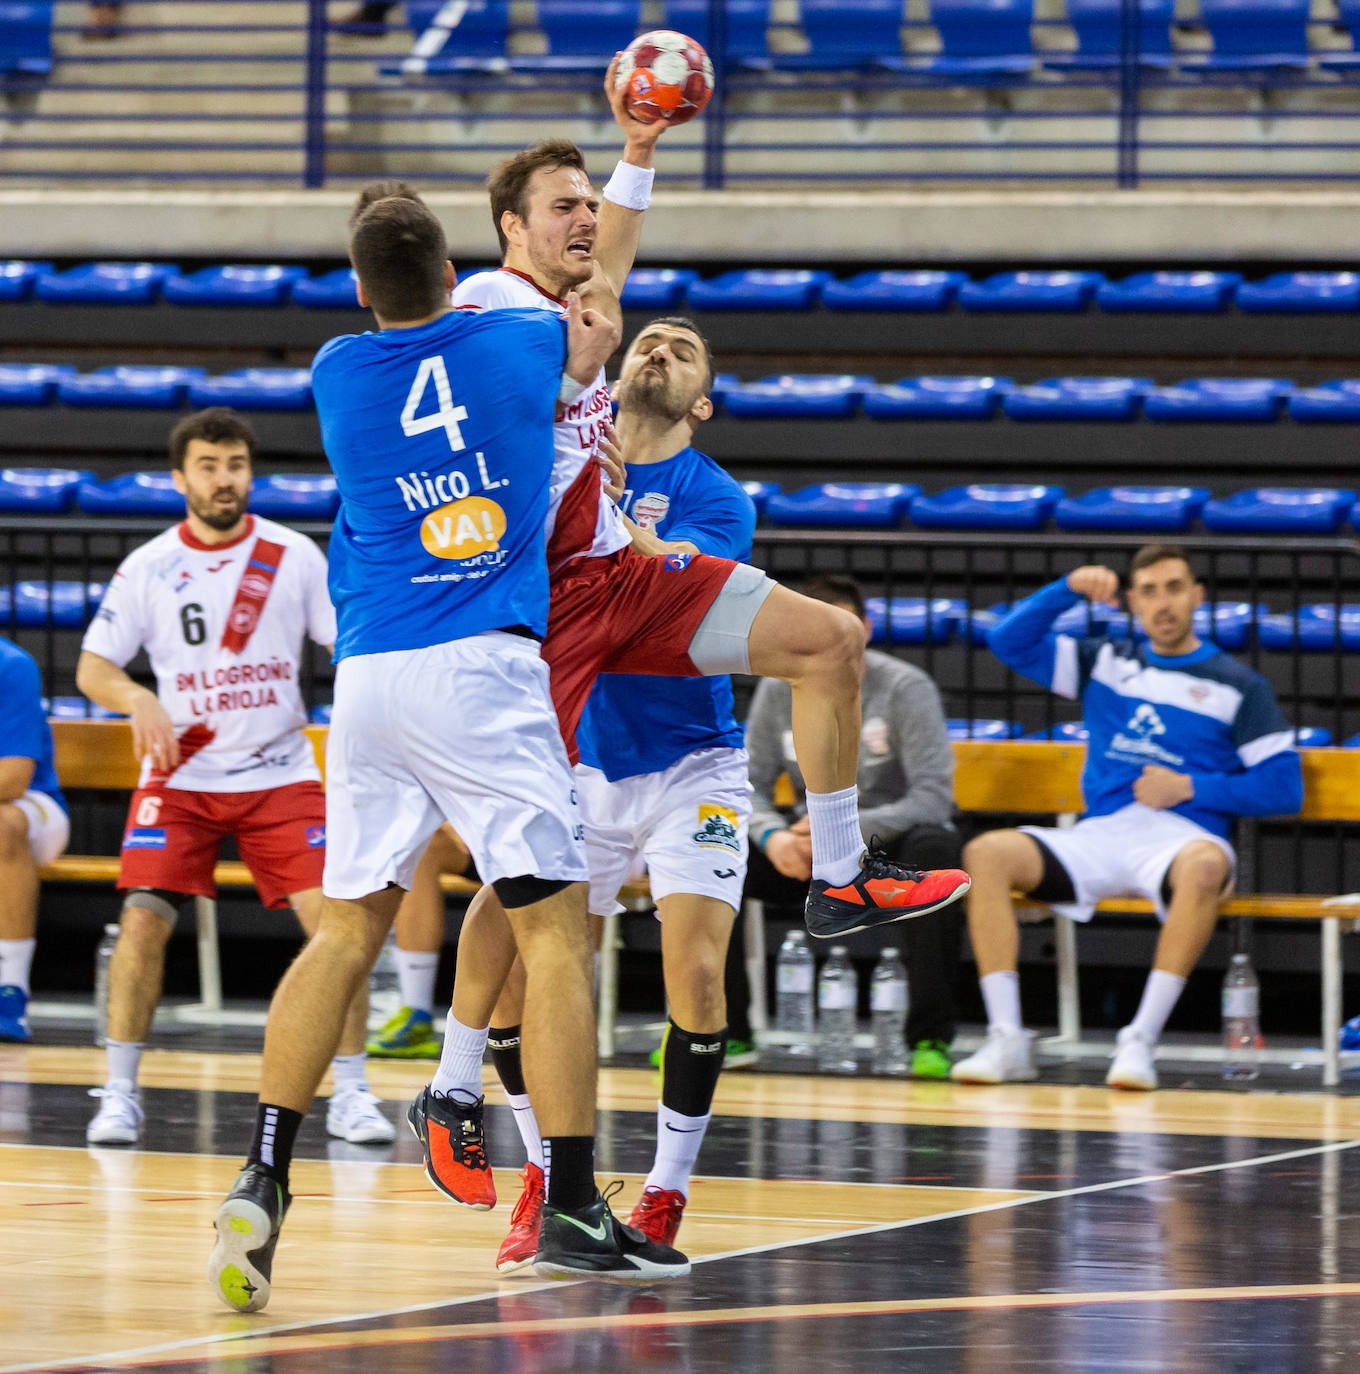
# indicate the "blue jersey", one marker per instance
pixel 441 440
pixel 640 724
pixel 1201 713
pixel 27 733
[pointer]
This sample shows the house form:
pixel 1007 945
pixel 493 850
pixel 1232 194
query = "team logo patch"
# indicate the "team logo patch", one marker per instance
pixel 183 580
pixel 1145 722
pixel 650 510
pixel 677 562
pixel 143 837
pixel 316 837
pixel 717 828
pixel 875 736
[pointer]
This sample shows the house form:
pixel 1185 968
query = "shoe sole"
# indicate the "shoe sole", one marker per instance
pixel 1130 1084
pixel 121 1137
pixel 514 1266
pixel 243 1227
pixel 1025 1076
pixel 371 1137
pixel 887 915
pixel 428 1051
pixel 412 1116
pixel 638 1272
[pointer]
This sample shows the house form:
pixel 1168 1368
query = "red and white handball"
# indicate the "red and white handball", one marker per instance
pixel 666 75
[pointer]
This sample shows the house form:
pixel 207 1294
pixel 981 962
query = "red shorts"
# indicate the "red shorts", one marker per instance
pixel 173 839
pixel 625 613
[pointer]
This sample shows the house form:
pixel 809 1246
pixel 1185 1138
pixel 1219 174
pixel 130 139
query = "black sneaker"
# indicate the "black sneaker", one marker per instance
pixel 248 1225
pixel 881 892
pixel 453 1138
pixel 594 1244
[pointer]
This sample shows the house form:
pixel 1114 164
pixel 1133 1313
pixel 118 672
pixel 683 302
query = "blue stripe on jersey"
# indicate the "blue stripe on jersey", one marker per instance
pixel 636 724
pixel 440 437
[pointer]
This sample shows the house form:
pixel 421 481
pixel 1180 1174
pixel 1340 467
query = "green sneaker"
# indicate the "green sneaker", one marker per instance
pixel 409 1034
pixel 930 1059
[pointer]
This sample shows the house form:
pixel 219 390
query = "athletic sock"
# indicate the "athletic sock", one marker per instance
pixel 16 959
pixel 460 1064
pixel 271 1148
pixel 569 1168
pixel 837 843
pixel 505 1055
pixel 416 970
pixel 124 1061
pixel 678 1139
pixel 348 1073
pixel 1001 997
pixel 1160 994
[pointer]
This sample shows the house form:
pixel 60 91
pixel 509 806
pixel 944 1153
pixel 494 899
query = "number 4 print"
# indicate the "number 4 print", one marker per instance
pixel 446 417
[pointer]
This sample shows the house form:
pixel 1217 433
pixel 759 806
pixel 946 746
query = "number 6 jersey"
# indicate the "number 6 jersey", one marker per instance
pixel 223 626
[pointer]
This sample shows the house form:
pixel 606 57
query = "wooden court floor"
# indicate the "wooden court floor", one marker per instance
pixel 836 1225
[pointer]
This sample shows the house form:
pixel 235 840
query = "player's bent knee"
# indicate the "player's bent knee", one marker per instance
pixel 156 907
pixel 1200 868
pixel 13 834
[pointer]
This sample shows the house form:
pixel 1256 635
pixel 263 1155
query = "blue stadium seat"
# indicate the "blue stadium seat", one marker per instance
pixel 17 278
pixel 233 286
pixel 1228 623
pixel 320 715
pixel 31 384
pixel 1169 510
pixel 656 288
pixel 295 496
pixel 1280 510
pixel 68 605
pixel 747 21
pixel 1220 400
pixel 1078 398
pixel 1310 291
pixel 256 388
pixel 846 34
pixel 982 42
pixel 1261 36
pixel 722 384
pixel 1094 619
pixel 79 708
pixel 1176 292
pixel 1065 731
pixel 1067 291
pixel 46 491
pixel 471 38
pixel 330 291
pixel 917 290
pixel 845 505
pixel 987 506
pixel 1312 737
pixel 105 283
pixel 978 622
pixel 1316 629
pixel 582 42
pixel 1327 403
pixel 937 398
pixel 760 493
pixel 1098 26
pixel 958 729
pixel 154 388
pixel 1345 61
pixel 134 493
pixel 797 394
pixel 25 43
pixel 913 619
pixel 761 289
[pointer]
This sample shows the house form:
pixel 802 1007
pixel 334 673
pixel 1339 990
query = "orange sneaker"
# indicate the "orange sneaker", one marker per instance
pixel 450 1132
pixel 658 1213
pixel 521 1242
pixel 881 892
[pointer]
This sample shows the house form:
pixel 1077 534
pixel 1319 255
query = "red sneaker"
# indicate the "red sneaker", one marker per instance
pixel 658 1213
pixel 521 1242
pixel 881 892
pixel 450 1133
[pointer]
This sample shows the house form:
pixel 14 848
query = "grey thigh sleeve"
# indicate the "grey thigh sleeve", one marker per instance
pixel 720 643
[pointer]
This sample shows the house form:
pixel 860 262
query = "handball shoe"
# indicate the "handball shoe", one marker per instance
pixel 119 1118
pixel 930 1059
pixel 450 1132
pixel 1006 1056
pixel 594 1244
pixel 1134 1067
pixel 658 1213
pixel 521 1242
pixel 881 892
pixel 408 1034
pixel 353 1115
pixel 247 1231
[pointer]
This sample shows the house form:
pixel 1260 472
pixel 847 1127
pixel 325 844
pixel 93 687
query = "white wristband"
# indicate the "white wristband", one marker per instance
pixel 630 186
pixel 570 389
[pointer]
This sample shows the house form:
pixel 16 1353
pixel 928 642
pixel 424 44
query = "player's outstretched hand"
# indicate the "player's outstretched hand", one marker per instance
pixel 640 138
pixel 591 340
pixel 612 464
pixel 153 734
pixel 1095 583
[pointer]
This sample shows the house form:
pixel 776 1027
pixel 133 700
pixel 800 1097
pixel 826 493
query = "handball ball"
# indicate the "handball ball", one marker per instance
pixel 666 76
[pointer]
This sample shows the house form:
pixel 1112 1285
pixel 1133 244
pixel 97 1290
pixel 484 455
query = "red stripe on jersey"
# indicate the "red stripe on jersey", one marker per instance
pixel 262 567
pixel 578 513
pixel 525 277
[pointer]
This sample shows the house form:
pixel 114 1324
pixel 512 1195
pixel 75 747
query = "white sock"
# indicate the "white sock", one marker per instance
pixel 528 1127
pixel 1161 992
pixel 16 958
pixel 348 1071
pixel 124 1061
pixel 678 1139
pixel 1001 996
pixel 460 1065
pixel 416 970
pixel 836 839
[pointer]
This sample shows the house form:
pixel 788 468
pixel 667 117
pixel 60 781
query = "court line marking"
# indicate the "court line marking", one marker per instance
pixel 253 1343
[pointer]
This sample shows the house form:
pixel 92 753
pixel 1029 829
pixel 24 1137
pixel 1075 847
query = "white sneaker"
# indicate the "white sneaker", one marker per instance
pixel 1133 1066
pixel 1006 1056
pixel 354 1116
pixel 119 1118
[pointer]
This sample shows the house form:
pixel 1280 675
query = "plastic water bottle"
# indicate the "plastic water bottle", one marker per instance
pixel 794 993
pixel 888 1011
pixel 103 957
pixel 1241 1021
pixel 837 999
pixel 384 987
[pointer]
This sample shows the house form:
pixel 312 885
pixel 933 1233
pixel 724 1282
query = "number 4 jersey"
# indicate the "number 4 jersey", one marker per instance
pixel 223 626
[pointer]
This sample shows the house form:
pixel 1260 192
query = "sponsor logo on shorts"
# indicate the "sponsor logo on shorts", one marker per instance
pixel 717 828
pixel 677 562
pixel 142 837
pixel 316 837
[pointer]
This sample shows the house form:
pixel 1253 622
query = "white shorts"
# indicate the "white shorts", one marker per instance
pixel 1123 854
pixel 463 732
pixel 687 825
pixel 49 827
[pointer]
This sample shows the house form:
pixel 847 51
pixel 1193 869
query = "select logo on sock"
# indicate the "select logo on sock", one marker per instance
pixel 714 1048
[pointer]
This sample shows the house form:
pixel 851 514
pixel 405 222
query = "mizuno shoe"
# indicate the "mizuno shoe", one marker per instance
pixel 881 892
pixel 450 1132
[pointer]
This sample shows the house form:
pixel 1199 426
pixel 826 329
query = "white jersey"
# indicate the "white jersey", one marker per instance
pixel 582 521
pixel 223 626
